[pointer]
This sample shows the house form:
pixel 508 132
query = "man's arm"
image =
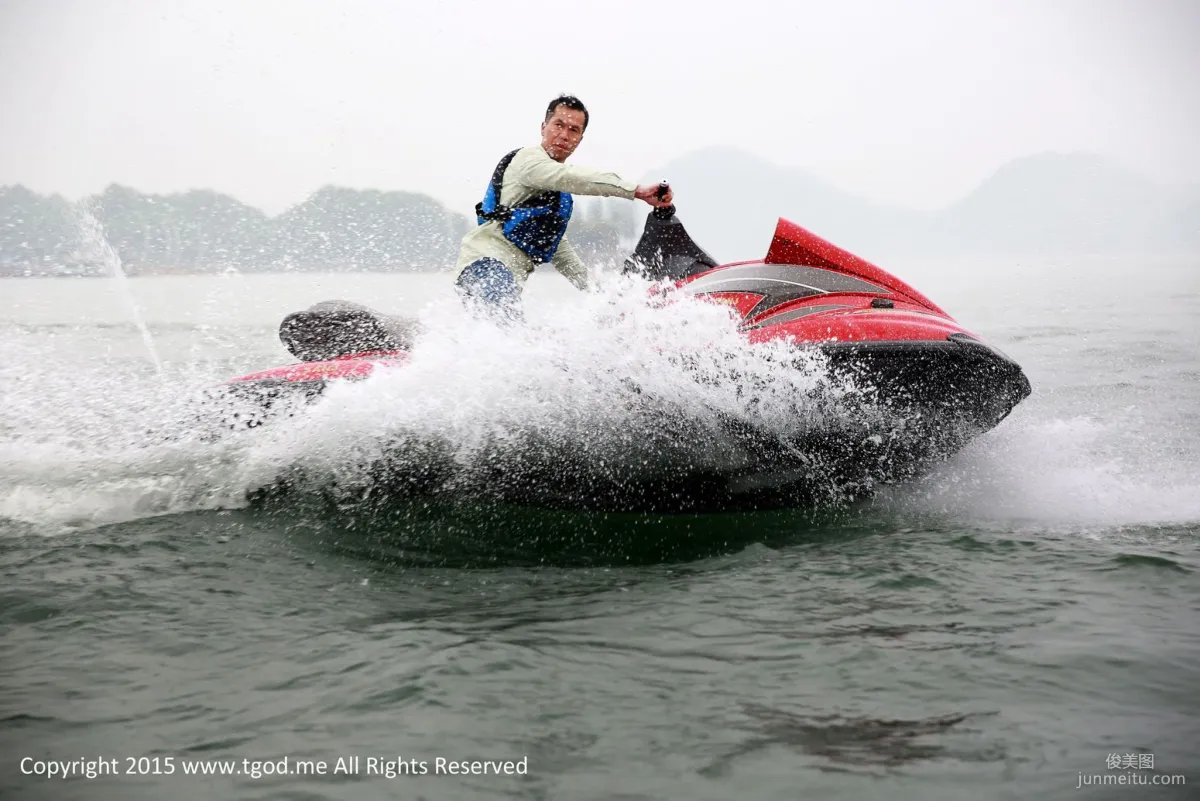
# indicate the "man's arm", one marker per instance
pixel 567 262
pixel 534 168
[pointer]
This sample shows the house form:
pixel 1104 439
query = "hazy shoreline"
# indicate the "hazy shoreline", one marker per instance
pixel 1044 206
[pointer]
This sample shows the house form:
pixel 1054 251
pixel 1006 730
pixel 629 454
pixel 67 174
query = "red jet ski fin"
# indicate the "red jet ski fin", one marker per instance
pixel 793 244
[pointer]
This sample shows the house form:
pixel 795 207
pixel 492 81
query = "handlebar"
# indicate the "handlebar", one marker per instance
pixel 663 212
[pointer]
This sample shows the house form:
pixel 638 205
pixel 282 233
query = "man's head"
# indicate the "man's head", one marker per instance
pixel 562 130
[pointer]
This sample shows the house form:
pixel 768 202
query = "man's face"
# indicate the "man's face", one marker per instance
pixel 562 133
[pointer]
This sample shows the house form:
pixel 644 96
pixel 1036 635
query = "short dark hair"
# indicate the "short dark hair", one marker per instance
pixel 570 101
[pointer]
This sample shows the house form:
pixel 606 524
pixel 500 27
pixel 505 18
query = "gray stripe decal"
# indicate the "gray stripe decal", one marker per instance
pixel 814 277
pixel 778 284
pixel 794 314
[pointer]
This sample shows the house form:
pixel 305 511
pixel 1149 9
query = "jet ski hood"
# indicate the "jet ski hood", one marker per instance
pixel 793 244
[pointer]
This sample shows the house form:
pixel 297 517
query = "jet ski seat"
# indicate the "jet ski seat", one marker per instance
pixel 336 328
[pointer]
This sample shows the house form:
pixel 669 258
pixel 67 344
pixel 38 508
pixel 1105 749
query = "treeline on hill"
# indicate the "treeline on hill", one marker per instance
pixel 334 230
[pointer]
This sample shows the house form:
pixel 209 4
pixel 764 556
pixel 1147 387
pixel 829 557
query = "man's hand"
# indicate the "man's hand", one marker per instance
pixel 650 195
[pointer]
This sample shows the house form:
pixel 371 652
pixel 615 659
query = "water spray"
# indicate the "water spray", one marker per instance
pixel 92 232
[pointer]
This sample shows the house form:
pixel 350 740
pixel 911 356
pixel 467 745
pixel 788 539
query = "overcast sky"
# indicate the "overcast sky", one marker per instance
pixel 912 102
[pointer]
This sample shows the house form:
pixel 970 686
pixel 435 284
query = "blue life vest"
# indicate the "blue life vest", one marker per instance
pixel 536 225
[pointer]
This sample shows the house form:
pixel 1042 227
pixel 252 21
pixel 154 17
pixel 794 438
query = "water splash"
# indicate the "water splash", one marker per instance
pixel 1081 473
pixel 606 394
pixel 91 231
pixel 602 387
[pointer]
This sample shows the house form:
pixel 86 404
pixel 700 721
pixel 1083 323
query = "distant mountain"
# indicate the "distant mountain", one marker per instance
pixel 195 229
pixel 203 231
pixel 32 227
pixel 1067 203
pixel 730 201
pixel 336 229
pixel 1047 203
pixel 1187 219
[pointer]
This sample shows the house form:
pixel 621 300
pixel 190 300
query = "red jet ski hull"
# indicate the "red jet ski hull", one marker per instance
pixel 928 385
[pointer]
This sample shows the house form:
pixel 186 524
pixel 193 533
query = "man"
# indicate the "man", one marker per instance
pixel 526 208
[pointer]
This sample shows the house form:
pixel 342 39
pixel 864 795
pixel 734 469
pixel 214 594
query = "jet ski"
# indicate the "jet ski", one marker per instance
pixel 928 385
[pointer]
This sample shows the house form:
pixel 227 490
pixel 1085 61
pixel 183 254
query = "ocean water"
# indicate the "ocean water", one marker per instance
pixel 999 628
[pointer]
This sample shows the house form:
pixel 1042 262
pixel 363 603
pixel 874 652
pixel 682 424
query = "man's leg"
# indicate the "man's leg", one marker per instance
pixel 487 284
